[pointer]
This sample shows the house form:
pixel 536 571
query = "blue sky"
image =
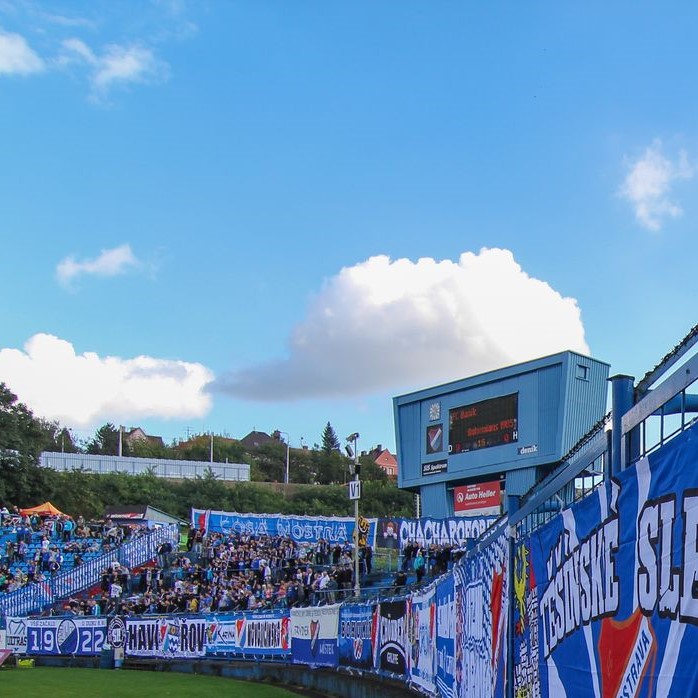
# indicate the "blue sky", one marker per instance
pixel 235 215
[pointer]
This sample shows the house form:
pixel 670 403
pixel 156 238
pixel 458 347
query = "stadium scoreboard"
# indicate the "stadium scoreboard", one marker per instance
pixel 481 429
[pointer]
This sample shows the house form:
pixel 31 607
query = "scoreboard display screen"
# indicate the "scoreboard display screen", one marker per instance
pixel 484 424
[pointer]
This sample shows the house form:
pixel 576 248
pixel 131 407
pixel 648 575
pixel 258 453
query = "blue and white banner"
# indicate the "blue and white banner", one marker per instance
pixel 301 529
pixel 314 635
pixel 480 584
pixel 264 634
pixel 455 531
pixel 166 637
pixel 445 636
pixel 423 639
pixel 73 635
pixel 358 624
pixel 16 634
pixel 614 581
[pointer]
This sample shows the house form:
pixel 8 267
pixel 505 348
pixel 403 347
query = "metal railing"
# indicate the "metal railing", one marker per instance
pixel 659 416
pixel 36 596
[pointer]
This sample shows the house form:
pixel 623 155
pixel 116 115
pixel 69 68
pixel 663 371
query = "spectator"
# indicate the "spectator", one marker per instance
pixel 419 565
pixel 115 590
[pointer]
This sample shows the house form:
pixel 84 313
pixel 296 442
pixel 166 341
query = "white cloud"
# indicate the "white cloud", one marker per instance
pixel 17 57
pixel 116 65
pixel 109 263
pixel 66 21
pixel 648 183
pixel 123 64
pixel 84 390
pixel 388 324
pixel 75 50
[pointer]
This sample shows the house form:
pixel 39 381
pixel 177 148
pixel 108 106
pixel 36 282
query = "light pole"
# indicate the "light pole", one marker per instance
pixel 355 494
pixel 288 445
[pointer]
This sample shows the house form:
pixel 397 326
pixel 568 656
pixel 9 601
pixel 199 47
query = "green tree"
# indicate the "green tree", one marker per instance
pixel 271 461
pixel 301 466
pixel 228 450
pixel 22 439
pixel 384 499
pixel 106 442
pixel 330 442
pixel 55 437
pixel 370 470
pixel 330 468
pixel 145 448
pixel 316 501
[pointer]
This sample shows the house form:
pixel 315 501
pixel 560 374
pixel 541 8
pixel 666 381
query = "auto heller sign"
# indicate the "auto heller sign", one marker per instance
pixel 481 499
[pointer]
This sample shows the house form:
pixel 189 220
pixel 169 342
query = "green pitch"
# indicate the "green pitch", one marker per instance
pixel 99 683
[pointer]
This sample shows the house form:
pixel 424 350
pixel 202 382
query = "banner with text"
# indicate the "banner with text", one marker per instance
pixel 75 635
pixel 16 634
pixel 455 531
pixel 358 625
pixel 166 637
pixel 314 635
pixel 616 585
pixel 301 529
pixel 264 634
pixel 480 584
pixel 392 644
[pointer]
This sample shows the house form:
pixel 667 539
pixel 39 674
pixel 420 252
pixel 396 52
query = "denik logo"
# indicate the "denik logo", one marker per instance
pixel 525 450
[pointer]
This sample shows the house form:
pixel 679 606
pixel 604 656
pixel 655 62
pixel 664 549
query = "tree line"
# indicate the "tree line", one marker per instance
pixel 23 437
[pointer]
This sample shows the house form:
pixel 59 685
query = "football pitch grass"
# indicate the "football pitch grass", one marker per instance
pixel 57 682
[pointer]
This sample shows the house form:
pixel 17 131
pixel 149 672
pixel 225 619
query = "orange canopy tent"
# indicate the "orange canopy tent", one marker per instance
pixel 45 509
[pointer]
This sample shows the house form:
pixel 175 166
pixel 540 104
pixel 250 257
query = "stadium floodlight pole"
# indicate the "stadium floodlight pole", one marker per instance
pixel 288 445
pixel 353 438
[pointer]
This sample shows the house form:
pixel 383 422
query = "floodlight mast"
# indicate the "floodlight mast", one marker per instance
pixel 353 439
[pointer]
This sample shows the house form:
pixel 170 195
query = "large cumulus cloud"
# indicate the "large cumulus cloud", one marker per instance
pixel 388 323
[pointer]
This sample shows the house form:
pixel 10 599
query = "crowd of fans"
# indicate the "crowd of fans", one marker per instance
pixel 231 572
pixel 219 572
pixel 34 547
pixel 240 572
